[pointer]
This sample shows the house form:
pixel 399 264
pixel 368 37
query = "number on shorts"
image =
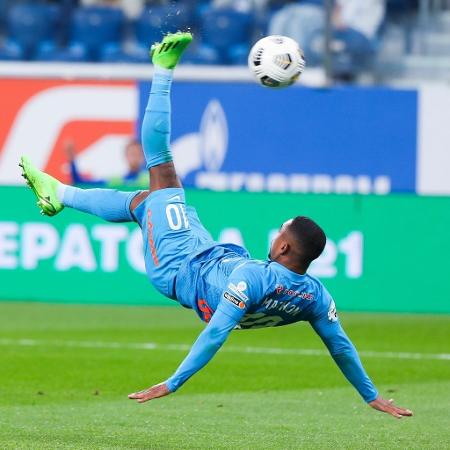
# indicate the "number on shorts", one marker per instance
pixel 176 216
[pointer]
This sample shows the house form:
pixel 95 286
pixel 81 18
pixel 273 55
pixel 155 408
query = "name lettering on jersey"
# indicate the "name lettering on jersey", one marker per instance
pixel 238 290
pixel 236 302
pixel 332 313
pixel 287 307
pixel 281 290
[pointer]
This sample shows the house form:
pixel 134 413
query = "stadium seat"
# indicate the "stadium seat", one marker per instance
pixel 228 32
pixel 29 24
pixel 74 52
pixel 156 21
pixel 95 27
pixel 149 27
pixel 11 51
pixel 222 28
pixel 202 54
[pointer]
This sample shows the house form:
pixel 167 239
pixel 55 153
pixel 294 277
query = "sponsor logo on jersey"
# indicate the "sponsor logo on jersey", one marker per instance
pixel 332 313
pixel 236 302
pixel 237 290
pixel 281 290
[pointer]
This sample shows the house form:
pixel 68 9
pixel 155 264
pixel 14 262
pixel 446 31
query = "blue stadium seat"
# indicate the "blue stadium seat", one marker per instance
pixel 202 54
pixel 96 26
pixel 228 31
pixel 151 25
pixel 50 52
pixel 222 28
pixel 156 21
pixel 29 24
pixel 11 51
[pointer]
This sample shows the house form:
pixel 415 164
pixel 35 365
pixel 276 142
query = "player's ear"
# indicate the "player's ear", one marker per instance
pixel 284 248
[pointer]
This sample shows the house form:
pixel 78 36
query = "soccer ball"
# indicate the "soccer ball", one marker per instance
pixel 276 61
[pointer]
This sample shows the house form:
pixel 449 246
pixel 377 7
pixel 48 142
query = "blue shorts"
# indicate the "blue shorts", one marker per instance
pixel 171 231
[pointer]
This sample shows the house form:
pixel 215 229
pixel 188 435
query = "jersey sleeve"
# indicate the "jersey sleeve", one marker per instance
pixel 327 326
pixel 205 347
pixel 244 286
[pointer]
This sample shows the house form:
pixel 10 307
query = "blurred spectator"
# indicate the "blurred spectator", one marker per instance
pixel 136 175
pixel 301 21
pixel 355 26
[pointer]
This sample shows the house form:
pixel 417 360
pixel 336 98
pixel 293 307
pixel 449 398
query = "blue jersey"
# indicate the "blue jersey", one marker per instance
pixel 266 292
pixel 229 290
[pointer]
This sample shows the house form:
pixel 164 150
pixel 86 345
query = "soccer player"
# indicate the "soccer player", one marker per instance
pixel 224 286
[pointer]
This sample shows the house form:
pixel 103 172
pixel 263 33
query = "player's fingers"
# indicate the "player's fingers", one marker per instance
pixel 392 412
pixel 137 394
pixel 140 398
pixel 399 409
pixel 403 411
pixel 399 412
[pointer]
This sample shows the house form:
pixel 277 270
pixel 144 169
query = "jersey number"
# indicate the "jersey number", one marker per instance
pixel 259 320
pixel 176 216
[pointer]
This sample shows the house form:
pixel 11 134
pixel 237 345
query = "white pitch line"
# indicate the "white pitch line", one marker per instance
pixel 231 349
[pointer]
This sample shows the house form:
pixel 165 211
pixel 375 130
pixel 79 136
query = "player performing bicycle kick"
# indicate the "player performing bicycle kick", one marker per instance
pixel 220 282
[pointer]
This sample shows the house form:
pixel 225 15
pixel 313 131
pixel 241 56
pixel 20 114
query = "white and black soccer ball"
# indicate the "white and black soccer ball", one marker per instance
pixel 276 61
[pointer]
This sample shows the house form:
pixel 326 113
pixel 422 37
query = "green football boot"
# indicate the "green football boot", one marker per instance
pixel 44 187
pixel 167 53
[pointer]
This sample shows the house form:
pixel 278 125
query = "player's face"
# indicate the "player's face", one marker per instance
pixel 135 157
pixel 279 241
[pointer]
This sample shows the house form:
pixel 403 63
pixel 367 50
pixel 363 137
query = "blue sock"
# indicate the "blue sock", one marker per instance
pixel 156 123
pixel 109 204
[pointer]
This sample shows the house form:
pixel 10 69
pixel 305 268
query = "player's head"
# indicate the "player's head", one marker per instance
pixel 134 155
pixel 299 242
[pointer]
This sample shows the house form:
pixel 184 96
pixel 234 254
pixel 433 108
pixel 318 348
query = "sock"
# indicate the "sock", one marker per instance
pixel 109 204
pixel 156 123
pixel 60 191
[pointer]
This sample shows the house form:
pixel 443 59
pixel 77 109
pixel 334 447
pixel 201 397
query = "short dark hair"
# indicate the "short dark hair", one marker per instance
pixel 309 237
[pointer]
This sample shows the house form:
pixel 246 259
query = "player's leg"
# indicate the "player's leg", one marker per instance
pixel 171 230
pixel 156 124
pixel 53 196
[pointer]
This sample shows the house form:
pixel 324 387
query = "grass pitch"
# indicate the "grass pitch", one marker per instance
pixel 65 372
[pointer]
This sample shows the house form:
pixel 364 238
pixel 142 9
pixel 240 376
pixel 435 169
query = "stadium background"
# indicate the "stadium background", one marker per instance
pixel 365 151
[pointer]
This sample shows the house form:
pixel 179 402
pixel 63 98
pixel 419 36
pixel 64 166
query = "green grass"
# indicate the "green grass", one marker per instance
pixel 55 394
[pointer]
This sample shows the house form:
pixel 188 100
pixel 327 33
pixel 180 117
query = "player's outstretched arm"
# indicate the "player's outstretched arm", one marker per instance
pixel 344 354
pixel 205 347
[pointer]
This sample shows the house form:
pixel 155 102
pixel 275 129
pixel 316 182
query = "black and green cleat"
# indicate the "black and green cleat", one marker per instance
pixel 44 187
pixel 167 53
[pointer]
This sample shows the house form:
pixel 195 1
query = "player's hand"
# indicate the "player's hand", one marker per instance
pixel 159 390
pixel 388 406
